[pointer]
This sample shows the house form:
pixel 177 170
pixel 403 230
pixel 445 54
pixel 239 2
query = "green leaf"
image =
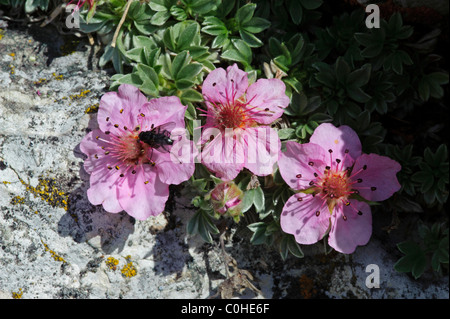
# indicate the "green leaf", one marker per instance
pixel 259 199
pixel 245 13
pixel 360 76
pixel 414 260
pixel 187 36
pixel 248 199
pixel 311 4
pixel 256 25
pixel 178 63
pixel 190 71
pixel 296 11
pixel 239 52
pixel 250 39
pixel 259 233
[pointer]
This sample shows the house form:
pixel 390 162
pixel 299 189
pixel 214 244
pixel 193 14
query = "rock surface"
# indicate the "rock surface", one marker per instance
pixel 55 244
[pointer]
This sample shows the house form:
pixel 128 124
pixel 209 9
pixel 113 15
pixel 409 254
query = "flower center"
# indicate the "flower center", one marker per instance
pixel 335 185
pixel 232 115
pixel 128 149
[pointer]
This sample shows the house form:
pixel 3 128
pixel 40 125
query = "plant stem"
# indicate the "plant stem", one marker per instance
pixel 122 20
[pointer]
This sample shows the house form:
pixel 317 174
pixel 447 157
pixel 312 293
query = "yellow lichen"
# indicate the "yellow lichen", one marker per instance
pixel 112 263
pixel 53 253
pixel 17 200
pixel 57 77
pixel 129 270
pixel 92 109
pixel 47 191
pixel 80 95
pixel 17 295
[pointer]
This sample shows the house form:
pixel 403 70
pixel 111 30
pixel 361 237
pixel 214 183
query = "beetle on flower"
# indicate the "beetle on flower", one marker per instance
pixel 127 173
pixel 334 180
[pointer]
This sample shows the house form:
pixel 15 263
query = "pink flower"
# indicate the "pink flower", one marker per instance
pixel 81 3
pixel 130 172
pixel 332 174
pixel 237 132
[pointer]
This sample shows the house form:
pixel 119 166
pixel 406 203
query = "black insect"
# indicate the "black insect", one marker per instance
pixel 156 138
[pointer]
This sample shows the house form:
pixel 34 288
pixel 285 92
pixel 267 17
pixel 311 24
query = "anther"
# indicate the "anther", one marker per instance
pixel 146 182
pixel 133 172
pixel 107 132
pixel 373 188
pixel 330 151
pixel 214 84
pixel 359 180
pixel 347 204
pixel 327 168
pixel 338 160
pixel 117 167
pixel 107 119
pixel 96 156
pixel 125 128
pixel 315 175
pixel 318 213
pixel 97 137
pixel 109 167
pixel 299 199
pixel 136 128
pixel 298 175
pixel 107 152
pixel 121 175
pixel 344 217
pixel 364 167
pixel 121 111
pixel 116 125
pixel 359 213
pixel 346 151
pixel 142 114
pixel 311 183
pixel 311 163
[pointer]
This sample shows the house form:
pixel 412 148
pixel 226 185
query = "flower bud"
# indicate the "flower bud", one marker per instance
pixel 226 199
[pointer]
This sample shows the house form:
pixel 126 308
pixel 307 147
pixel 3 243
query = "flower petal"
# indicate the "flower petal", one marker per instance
pixel 103 191
pixel 91 145
pixel 377 174
pixel 299 162
pixel 300 218
pixel 355 230
pixel 222 86
pixel 173 168
pixel 267 99
pixel 262 149
pixel 224 156
pixel 163 110
pixel 143 194
pixel 338 139
pixel 120 109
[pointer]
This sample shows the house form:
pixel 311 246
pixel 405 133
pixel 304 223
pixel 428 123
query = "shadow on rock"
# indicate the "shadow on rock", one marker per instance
pixel 170 251
pixel 84 221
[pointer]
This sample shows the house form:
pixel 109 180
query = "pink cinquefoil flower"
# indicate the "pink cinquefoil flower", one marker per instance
pixel 237 132
pixel 335 173
pixel 127 171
